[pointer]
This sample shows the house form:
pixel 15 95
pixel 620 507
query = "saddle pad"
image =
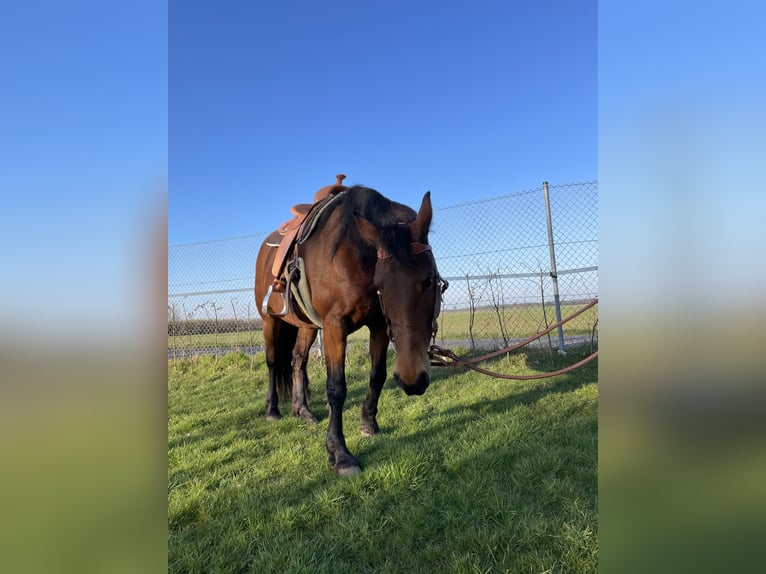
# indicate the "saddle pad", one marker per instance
pixel 301 294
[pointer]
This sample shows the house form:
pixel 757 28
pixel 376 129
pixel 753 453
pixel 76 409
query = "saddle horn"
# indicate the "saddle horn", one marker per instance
pixel 331 189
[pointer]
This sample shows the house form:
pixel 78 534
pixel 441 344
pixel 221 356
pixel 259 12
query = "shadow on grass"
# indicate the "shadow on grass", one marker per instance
pixel 535 360
pixel 487 480
pixel 458 418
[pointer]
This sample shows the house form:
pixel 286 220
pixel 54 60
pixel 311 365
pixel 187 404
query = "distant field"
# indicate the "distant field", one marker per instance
pixel 477 475
pixel 518 322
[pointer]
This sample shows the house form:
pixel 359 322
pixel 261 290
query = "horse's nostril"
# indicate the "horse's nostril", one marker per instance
pixel 418 388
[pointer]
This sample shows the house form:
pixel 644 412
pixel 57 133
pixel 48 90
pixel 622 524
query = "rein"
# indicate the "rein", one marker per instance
pixel 441 357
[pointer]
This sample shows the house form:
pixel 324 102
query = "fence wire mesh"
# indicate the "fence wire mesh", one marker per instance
pixel 494 252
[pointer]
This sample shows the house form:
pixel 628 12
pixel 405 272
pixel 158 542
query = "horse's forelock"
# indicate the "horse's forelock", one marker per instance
pixel 396 240
pixel 391 218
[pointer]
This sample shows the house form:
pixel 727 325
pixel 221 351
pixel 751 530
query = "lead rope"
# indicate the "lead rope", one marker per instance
pixel 441 357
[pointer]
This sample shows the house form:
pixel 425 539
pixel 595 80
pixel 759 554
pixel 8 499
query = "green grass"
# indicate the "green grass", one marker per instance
pixel 477 475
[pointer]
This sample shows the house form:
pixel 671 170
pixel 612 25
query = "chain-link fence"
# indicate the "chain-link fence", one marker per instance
pixel 494 252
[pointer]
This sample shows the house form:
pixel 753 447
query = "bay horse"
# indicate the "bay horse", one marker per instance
pixel 367 262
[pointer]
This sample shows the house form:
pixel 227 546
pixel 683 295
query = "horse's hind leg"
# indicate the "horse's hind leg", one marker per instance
pixel 271 329
pixel 305 339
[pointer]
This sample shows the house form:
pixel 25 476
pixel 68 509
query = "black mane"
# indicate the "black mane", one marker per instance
pixel 390 217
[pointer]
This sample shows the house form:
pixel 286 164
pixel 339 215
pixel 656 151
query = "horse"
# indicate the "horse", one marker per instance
pixel 366 262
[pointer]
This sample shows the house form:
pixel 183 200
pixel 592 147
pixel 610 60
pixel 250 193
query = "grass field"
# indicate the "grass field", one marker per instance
pixel 477 475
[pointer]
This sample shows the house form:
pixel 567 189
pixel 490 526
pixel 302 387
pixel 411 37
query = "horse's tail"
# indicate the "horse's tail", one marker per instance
pixel 283 368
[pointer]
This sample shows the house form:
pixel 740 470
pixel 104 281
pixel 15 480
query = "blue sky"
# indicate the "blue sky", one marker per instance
pixel 105 103
pixel 83 162
pixel 682 150
pixel 269 100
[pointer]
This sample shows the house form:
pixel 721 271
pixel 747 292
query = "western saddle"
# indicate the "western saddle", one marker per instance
pixel 288 234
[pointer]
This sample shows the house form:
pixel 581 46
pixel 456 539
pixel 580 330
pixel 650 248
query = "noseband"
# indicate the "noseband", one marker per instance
pixel 439 283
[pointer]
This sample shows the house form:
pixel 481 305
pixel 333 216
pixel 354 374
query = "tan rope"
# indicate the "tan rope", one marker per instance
pixel 441 357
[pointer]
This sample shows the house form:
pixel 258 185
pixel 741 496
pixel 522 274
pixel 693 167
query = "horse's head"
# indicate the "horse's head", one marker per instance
pixel 409 289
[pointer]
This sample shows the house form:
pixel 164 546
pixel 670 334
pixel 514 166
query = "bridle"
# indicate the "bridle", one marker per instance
pixel 439 284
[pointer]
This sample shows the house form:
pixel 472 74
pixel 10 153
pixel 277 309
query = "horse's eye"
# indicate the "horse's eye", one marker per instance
pixel 428 282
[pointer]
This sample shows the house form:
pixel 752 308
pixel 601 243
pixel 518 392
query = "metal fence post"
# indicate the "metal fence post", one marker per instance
pixel 554 275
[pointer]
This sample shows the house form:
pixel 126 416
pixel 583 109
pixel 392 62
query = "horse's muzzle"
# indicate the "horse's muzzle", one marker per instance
pixel 420 386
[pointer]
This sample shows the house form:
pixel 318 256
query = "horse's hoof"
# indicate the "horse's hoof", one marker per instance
pixel 348 470
pixel 271 417
pixel 369 430
pixel 306 416
pixel 345 464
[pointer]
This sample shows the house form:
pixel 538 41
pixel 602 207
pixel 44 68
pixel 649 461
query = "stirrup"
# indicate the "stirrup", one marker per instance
pixel 265 304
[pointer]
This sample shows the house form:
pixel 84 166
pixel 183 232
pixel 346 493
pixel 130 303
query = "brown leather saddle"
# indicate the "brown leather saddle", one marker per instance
pixel 284 240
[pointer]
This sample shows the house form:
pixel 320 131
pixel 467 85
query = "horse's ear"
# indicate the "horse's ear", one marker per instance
pixel 422 222
pixel 368 231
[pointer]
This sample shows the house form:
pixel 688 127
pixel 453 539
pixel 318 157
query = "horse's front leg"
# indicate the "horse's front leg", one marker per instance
pixel 343 462
pixel 378 351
